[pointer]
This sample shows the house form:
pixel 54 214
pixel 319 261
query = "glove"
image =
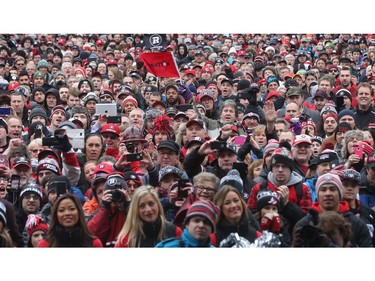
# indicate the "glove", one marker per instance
pixel 64 144
pixel 243 151
pixel 266 221
pixel 184 91
pixel 276 224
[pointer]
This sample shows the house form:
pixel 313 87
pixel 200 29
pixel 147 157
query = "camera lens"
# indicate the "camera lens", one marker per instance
pixel 130 147
pixel 117 196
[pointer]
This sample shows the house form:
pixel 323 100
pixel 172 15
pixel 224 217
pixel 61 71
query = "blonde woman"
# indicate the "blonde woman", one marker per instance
pixel 145 224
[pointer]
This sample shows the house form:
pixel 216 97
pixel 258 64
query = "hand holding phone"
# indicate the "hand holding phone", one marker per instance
pixel 15 181
pixel 220 145
pixel 134 157
pixel 4 160
pixel 358 150
pixel 239 140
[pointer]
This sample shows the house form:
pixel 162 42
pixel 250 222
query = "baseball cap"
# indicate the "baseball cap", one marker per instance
pixel 321 94
pixel 21 161
pixel 170 145
pixel 294 91
pixel 328 155
pixel 350 174
pixel 195 140
pixel 197 122
pixel 111 128
pixel 302 138
pixel 167 170
pixel 179 114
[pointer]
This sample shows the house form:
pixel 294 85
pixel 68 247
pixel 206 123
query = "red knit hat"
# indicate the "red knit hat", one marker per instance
pixel 204 209
pixel 35 223
pixel 129 99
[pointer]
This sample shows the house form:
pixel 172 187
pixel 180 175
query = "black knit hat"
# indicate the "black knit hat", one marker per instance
pixel 38 111
pixel 267 197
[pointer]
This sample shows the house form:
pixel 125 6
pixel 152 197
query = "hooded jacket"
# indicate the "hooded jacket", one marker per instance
pixel 360 233
pixel 186 241
pixel 294 210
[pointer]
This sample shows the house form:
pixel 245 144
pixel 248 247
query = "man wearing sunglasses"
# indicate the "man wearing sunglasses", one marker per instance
pixel 111 137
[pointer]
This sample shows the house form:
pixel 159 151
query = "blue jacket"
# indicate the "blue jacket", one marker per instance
pixel 186 241
pixel 311 184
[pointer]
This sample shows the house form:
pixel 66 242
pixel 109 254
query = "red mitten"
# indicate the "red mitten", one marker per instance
pixel 266 221
pixel 276 224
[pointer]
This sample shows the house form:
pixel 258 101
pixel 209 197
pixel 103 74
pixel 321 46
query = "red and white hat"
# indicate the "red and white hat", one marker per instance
pixel 302 138
pixel 111 128
pixel 329 178
pixel 129 99
pixel 35 223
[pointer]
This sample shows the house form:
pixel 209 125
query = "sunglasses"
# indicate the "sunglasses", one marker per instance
pixel 112 137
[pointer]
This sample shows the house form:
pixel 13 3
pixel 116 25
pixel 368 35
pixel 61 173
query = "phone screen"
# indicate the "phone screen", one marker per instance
pixel 239 140
pixel 15 182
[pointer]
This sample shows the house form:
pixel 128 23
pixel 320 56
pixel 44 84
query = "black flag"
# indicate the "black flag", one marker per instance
pixel 155 42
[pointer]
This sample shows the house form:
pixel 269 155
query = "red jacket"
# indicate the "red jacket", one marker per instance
pixel 305 202
pixel 343 207
pixel 107 224
pixel 96 243
pixel 352 89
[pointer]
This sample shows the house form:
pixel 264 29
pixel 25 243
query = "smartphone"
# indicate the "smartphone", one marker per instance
pixel 114 119
pixel 185 107
pixel 38 134
pixel 239 140
pixel 358 150
pixel 15 182
pixel 4 160
pixel 253 99
pixel 181 185
pixel 218 145
pixel 60 188
pixel 5 111
pixel 134 157
pixel 339 103
pixel 50 141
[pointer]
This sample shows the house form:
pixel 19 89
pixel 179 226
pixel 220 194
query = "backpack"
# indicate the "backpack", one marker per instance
pixel 297 187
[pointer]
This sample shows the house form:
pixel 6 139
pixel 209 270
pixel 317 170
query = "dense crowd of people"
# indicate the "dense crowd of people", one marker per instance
pixel 260 135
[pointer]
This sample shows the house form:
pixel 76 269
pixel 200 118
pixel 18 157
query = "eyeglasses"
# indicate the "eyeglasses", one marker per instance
pixel 333 70
pixel 29 196
pixel 20 64
pixel 208 189
pixel 36 150
pixel 112 137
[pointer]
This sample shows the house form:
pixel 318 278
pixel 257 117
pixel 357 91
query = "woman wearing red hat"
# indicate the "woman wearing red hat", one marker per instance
pixel 37 230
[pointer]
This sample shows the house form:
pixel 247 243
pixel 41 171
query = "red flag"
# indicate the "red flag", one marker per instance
pixel 161 64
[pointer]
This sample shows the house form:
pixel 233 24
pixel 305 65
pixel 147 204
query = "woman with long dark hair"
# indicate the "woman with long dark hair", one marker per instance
pixel 68 227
